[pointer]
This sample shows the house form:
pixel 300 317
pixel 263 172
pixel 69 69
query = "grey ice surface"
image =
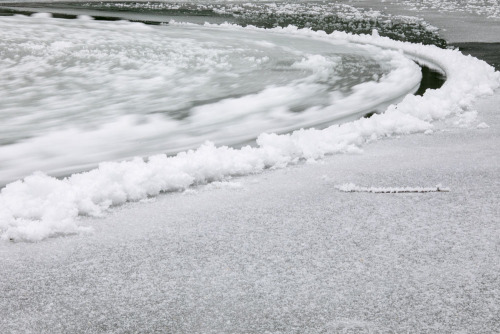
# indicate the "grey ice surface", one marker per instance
pixel 285 252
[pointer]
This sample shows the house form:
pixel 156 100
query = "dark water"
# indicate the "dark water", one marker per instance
pixel 489 52
pixel 431 79
pixel 22 11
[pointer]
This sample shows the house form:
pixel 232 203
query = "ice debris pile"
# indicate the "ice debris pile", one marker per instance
pixel 41 206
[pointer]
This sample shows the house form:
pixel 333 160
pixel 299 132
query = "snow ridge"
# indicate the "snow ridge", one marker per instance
pixel 41 206
pixel 351 188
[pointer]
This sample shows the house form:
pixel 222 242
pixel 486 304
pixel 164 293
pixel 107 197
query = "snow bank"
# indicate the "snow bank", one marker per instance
pixel 41 206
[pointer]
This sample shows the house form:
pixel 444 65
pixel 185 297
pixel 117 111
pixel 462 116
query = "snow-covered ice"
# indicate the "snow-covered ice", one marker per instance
pixel 290 253
pixel 41 206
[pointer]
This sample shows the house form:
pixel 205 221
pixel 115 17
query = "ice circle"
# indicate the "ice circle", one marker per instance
pixel 78 92
pixel 317 85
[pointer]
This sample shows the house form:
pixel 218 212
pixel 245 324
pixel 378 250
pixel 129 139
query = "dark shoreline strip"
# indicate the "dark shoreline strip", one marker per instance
pixel 12 12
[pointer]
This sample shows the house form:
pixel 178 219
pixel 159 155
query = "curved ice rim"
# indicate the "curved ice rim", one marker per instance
pixel 41 206
pixel 391 89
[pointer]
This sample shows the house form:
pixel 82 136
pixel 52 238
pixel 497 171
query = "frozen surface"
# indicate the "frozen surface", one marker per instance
pixel 78 92
pixel 487 8
pixel 351 187
pixel 284 251
pixel 41 206
pixel 459 21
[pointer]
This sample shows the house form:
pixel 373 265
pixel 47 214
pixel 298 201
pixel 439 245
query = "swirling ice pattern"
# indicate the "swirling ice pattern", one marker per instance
pixel 78 92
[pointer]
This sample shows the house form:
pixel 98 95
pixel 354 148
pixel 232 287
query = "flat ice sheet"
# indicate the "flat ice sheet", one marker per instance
pixel 284 251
